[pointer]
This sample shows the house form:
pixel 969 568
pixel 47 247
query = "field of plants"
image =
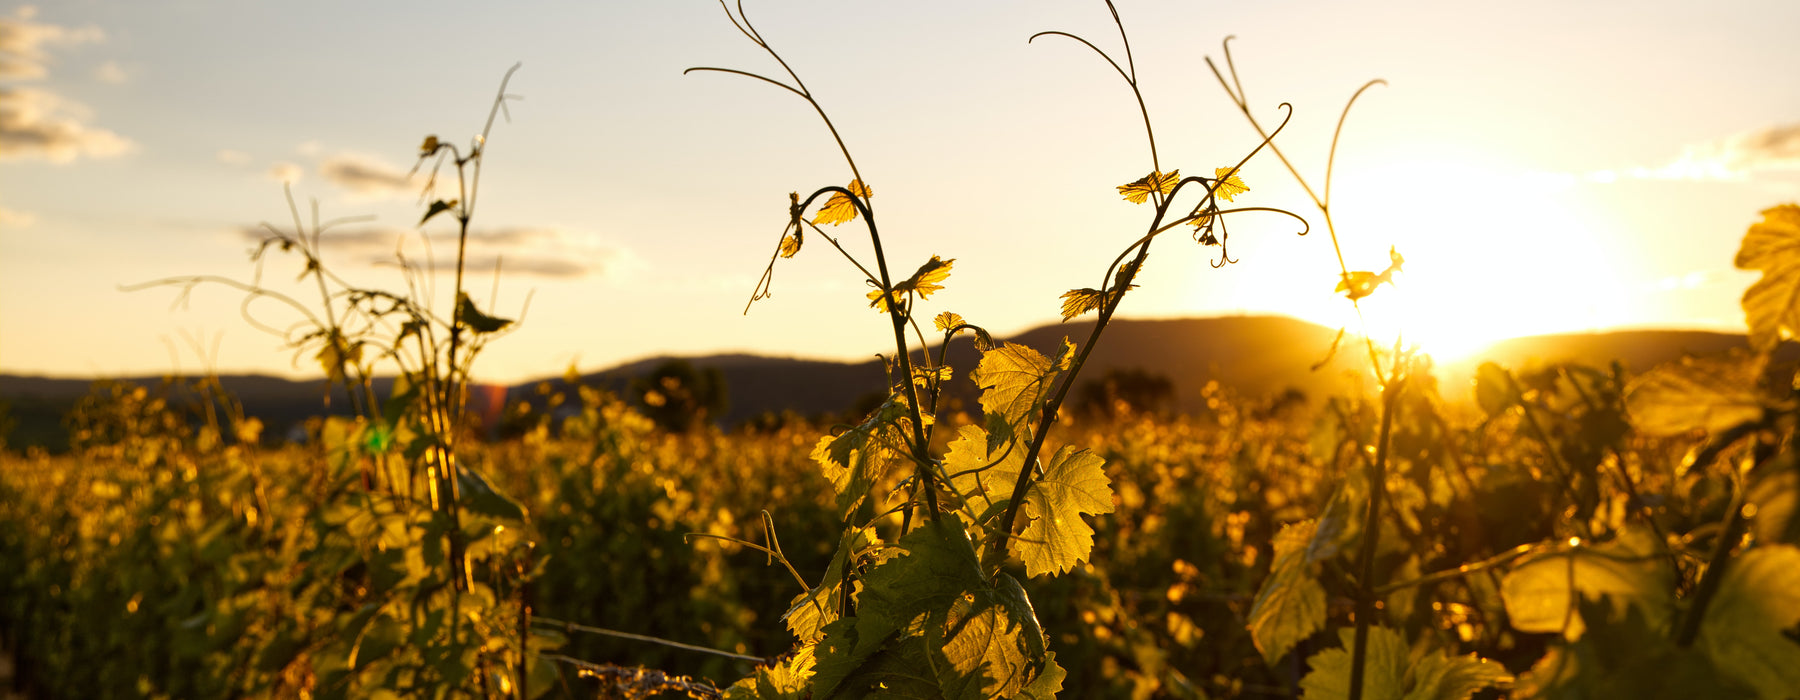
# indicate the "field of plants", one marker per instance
pixel 1556 531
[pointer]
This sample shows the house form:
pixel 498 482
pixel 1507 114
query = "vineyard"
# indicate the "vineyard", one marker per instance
pixel 1544 531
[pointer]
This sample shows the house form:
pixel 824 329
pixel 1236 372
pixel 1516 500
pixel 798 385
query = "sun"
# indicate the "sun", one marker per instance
pixel 1488 257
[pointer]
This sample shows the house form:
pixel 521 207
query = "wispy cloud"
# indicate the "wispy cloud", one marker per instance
pixel 285 172
pixel 38 123
pixel 23 43
pixel 364 176
pixel 1735 157
pixel 111 73
pixel 544 252
pixel 12 218
pixel 233 157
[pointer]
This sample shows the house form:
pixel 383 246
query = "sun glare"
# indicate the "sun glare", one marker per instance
pixel 1488 257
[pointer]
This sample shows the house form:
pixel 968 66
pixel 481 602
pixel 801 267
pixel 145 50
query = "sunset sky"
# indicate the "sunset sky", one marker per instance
pixel 1543 166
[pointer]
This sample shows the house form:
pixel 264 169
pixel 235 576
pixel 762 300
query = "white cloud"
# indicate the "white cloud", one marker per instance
pixel 364 176
pixel 112 73
pixel 233 157
pixel 38 124
pixel 542 252
pixel 1735 157
pixel 286 173
pixel 12 218
pixel 23 43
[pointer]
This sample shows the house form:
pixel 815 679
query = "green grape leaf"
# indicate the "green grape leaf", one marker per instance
pixel 811 611
pixel 1384 668
pixel 1140 189
pixel 1772 305
pixel 1541 593
pixel 987 647
pixel 1015 379
pixel 1743 629
pixel 476 495
pixel 338 354
pixel 1711 393
pixel 1440 676
pixel 1048 683
pixel 981 472
pixel 1291 604
pixel 1388 675
pixel 857 459
pixel 938 566
pixel 790 679
pixel 839 208
pixel 1056 537
pixel 475 319
pixel 1493 390
pixel 1621 656
pixel 1229 185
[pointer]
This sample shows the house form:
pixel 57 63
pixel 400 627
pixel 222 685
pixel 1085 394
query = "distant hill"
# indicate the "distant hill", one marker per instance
pixel 1257 356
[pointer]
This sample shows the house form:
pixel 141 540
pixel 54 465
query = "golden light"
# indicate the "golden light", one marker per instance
pixel 1488 257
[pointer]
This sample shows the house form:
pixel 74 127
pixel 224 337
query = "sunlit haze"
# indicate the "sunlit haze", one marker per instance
pixel 1542 166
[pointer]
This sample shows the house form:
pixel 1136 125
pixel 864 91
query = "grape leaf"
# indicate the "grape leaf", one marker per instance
pixel 1493 391
pixel 1712 393
pixel 926 280
pixel 947 320
pixel 1541 593
pixel 1056 538
pixel 1384 668
pixel 1621 656
pixel 1229 185
pixel 1772 305
pixel 856 459
pixel 1387 674
pixel 790 244
pixel 436 208
pixel 981 472
pixel 1014 379
pixel 1138 190
pixel 1291 604
pixel 1742 630
pixel 1361 283
pixel 1080 301
pixel 429 146
pixel 789 679
pixel 475 319
pixel 840 208
pixel 988 642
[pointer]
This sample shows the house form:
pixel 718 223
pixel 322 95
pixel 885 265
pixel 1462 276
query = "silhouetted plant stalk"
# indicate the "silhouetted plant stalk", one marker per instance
pixel 1392 380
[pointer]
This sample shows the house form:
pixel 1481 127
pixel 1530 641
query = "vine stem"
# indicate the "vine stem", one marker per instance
pixel 1366 591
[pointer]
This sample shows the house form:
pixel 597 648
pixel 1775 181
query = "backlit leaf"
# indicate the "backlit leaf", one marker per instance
pixel 1228 187
pixel 1138 190
pixel 947 320
pixel 1389 675
pixel 1080 301
pixel 1384 668
pixel 1359 284
pixel 1711 393
pixel 1772 305
pixel 1742 630
pixel 1014 379
pixel 856 460
pixel 1056 538
pixel 839 208
pixel 1494 389
pixel 1541 593
pixel 980 472
pixel 1291 604
pixel 430 145
pixel 790 244
pixel 929 277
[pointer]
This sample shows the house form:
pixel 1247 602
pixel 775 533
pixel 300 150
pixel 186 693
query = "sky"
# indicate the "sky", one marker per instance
pixel 1542 166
